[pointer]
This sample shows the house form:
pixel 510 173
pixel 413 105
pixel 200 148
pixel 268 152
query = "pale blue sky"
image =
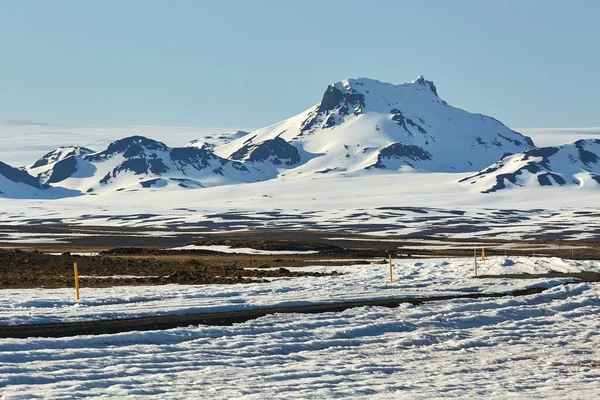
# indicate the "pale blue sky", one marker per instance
pixel 529 63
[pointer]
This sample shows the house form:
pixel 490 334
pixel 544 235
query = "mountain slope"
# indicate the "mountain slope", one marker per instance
pixel 363 124
pixel 18 184
pixel 44 167
pixel 576 164
pixel 137 162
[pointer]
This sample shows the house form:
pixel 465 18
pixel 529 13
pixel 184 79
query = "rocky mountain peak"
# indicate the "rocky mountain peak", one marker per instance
pixel 428 84
pixel 60 154
pixel 131 146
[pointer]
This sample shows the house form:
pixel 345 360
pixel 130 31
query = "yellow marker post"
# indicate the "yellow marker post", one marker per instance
pixel 76 281
pixel 391 275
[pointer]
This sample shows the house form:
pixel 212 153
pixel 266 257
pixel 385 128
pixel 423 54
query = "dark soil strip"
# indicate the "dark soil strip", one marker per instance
pixel 221 318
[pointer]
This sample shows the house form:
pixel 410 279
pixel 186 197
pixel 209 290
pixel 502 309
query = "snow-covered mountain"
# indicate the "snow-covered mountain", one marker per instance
pixel 17 183
pixel 60 154
pixel 360 127
pixel 44 167
pixel 576 164
pixel 363 124
pixel 137 162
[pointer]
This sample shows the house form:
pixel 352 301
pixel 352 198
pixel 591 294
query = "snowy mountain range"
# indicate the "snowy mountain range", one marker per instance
pixel 575 164
pixel 361 127
pixel 137 162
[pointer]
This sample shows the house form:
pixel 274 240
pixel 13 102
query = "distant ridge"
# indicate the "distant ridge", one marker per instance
pixel 360 127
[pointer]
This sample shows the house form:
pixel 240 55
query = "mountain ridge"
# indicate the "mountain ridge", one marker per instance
pixel 137 162
pixel 357 118
pixel 571 164
pixel 359 127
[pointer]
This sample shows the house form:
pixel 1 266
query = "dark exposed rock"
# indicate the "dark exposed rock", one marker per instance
pixel 62 170
pixel 333 98
pixel 139 165
pixel 149 183
pixel 400 151
pixel 18 176
pixel 277 149
pixel 334 101
pixel 515 141
pixel 524 138
pixel 401 120
pixel 329 122
pixel 53 156
pixel 130 147
pixel 429 84
pixel 512 178
pixel 544 152
pixel 486 171
pixel 586 157
pixel 309 123
pixel 544 179
pixel 105 180
pixel 534 168
pixel 186 183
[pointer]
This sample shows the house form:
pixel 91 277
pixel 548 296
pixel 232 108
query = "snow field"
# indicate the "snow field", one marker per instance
pixel 538 346
pixel 360 204
pixel 412 278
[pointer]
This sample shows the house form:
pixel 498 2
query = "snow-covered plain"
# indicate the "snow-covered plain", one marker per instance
pixel 557 136
pixel 543 345
pixel 431 204
pixel 414 278
pixel 402 204
pixel 536 346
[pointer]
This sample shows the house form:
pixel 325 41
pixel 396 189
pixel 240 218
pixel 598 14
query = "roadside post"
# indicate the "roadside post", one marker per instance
pixel 475 261
pixel 391 275
pixel 483 255
pixel 76 273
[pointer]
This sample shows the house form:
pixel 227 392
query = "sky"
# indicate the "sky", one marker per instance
pixel 529 63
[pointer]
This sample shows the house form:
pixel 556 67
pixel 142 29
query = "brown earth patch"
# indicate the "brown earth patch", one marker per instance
pixel 32 269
